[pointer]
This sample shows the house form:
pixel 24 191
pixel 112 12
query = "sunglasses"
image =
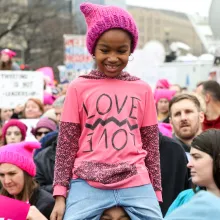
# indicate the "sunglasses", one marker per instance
pixel 39 133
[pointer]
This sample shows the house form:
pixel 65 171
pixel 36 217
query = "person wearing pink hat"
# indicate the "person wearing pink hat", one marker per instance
pixel 165 129
pixel 14 131
pixel 108 138
pixel 162 84
pixel 6 63
pixel 48 101
pixel 17 171
pixel 162 98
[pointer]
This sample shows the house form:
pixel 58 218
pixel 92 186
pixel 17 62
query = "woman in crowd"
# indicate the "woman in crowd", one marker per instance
pixel 14 131
pixel 162 98
pixel 33 109
pixel 6 62
pixel 5 115
pixel 17 170
pixel 204 166
pixel 43 127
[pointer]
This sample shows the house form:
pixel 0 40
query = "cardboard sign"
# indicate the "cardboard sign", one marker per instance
pixel 18 86
pixel 12 209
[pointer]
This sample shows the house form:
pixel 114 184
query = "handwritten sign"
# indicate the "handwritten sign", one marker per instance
pixel 12 209
pixel 76 57
pixel 16 87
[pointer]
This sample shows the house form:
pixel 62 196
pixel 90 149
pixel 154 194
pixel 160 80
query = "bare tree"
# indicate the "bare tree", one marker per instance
pixel 41 24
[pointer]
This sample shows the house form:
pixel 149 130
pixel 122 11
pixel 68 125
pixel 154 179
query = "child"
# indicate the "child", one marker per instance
pixel 108 139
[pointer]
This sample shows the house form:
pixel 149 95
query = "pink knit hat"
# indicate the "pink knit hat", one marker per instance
pixel 44 123
pixel 163 94
pixel 162 84
pixel 17 123
pixel 165 129
pixel 20 155
pixel 101 18
pixel 48 99
pixel 10 53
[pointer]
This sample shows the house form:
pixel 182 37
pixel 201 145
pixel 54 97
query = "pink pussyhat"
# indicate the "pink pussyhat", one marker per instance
pixel 163 94
pixel 48 98
pixel 20 155
pixel 165 129
pixel 101 18
pixel 8 52
pixel 162 84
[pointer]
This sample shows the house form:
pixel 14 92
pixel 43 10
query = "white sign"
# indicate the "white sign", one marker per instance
pixel 16 87
pixel 30 123
pixel 77 59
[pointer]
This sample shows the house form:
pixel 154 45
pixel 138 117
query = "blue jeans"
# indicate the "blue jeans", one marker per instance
pixel 85 202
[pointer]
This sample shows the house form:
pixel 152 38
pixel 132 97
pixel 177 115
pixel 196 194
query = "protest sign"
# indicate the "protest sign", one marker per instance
pixel 62 73
pixel 77 59
pixel 48 74
pixel 16 87
pixel 12 209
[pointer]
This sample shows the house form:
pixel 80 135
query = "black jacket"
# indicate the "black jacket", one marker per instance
pixel 166 120
pixel 174 173
pixel 45 161
pixel 185 146
pixel 43 201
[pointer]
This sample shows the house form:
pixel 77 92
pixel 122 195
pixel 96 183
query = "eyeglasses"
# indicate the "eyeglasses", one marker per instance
pixel 39 133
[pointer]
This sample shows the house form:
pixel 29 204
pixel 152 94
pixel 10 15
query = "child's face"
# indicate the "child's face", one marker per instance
pixel 112 52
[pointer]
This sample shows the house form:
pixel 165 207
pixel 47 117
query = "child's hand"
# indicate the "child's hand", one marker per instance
pixel 59 209
pixel 35 214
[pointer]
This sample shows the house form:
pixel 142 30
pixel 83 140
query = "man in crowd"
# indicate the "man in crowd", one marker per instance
pixel 186 119
pixel 211 94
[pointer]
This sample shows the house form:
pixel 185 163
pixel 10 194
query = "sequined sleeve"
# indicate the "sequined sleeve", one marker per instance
pixel 150 140
pixel 66 150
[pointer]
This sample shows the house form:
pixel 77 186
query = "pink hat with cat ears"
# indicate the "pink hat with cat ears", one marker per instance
pixel 20 155
pixel 101 18
pixel 163 94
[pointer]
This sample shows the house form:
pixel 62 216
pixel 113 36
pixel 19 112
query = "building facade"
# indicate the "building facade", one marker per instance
pixel 166 27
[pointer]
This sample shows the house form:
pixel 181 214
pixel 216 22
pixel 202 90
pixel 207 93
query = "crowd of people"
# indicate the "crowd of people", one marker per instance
pixel 108 147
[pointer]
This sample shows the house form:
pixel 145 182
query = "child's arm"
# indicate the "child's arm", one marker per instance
pixel 67 148
pixel 150 142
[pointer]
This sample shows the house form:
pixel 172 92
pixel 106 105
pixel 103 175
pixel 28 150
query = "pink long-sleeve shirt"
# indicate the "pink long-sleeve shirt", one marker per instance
pixel 108 135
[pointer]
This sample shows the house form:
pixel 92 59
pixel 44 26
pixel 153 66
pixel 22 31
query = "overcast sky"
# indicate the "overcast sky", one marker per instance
pixel 187 6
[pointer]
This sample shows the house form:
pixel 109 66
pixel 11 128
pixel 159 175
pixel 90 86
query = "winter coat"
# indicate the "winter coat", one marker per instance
pixel 43 201
pixel 174 174
pixel 45 161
